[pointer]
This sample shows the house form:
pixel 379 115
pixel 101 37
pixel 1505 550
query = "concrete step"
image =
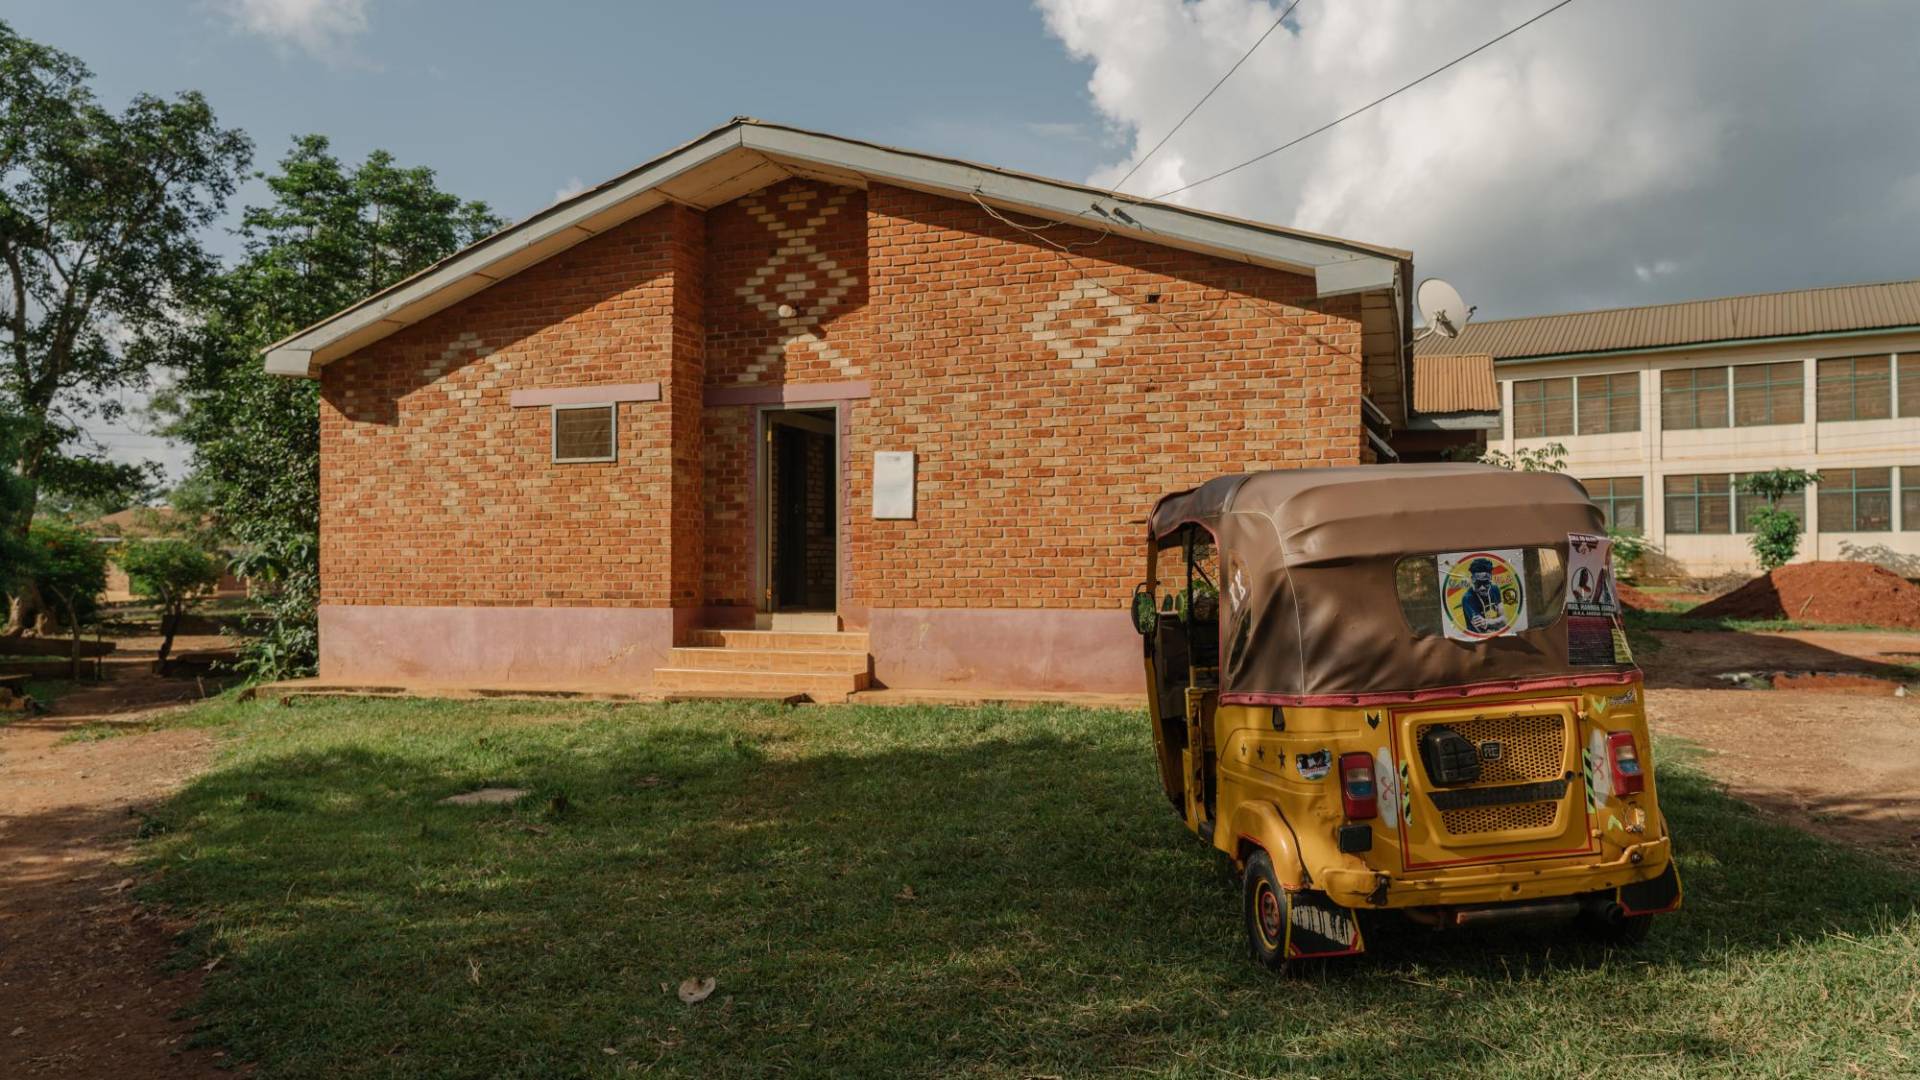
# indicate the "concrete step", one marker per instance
pixel 734 658
pixel 820 686
pixel 784 640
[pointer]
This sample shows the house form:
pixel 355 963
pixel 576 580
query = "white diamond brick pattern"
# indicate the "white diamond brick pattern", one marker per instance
pixel 463 382
pixel 1085 340
pixel 793 275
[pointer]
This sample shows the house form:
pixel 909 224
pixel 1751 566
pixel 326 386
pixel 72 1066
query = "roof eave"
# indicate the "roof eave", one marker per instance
pixel 1338 267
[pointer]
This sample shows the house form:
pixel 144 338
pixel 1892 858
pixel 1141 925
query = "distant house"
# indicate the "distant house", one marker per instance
pixel 908 408
pixel 1664 409
pixel 143 523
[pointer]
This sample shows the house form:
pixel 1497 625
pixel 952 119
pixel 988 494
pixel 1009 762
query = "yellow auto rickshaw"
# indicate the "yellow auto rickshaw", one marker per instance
pixel 1402 688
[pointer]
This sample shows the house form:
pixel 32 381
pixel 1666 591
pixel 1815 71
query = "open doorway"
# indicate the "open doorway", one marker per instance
pixel 800 511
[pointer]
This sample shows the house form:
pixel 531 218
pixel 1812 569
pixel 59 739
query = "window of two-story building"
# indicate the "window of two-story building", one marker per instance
pixel 1856 500
pixel 1701 503
pixel 1768 394
pixel 1693 398
pixel 1745 503
pixel 1854 388
pixel 1910 498
pixel 1608 404
pixel 1619 498
pixel 1909 384
pixel 1542 408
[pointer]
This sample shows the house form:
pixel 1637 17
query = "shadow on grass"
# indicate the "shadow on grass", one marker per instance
pixel 1677 652
pixel 887 892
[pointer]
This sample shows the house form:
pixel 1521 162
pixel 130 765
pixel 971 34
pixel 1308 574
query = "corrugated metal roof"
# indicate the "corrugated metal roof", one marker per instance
pixel 1837 309
pixel 1444 384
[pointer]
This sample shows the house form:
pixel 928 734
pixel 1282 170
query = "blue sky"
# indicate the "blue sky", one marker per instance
pixel 1618 152
pixel 513 102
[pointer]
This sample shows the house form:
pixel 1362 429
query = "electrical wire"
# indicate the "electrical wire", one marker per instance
pixel 1376 101
pixel 1203 98
pixel 1038 232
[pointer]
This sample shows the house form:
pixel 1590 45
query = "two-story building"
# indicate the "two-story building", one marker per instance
pixel 1663 411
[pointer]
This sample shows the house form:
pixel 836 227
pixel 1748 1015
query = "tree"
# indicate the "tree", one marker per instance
pixel 1775 535
pixel 330 235
pixel 70 567
pixel 174 575
pixel 100 214
pixel 1548 457
pixel 15 553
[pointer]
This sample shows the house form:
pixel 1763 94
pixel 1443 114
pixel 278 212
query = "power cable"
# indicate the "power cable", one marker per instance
pixel 1376 101
pixel 1203 98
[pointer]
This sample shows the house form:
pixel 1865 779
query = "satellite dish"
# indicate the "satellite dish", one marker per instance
pixel 1442 309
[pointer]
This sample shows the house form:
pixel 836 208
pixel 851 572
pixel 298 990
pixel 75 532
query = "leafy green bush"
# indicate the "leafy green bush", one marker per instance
pixel 174 575
pixel 1775 535
pixel 1547 457
pixel 69 566
pixel 1628 549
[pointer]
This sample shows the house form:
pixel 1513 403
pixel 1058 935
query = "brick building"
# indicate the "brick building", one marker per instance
pixel 903 413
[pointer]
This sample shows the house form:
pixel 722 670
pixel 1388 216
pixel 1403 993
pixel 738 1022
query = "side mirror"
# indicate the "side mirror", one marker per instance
pixel 1145 618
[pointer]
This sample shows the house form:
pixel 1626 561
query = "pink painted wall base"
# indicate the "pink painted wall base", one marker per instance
pixel 1077 651
pixel 913 648
pixel 539 646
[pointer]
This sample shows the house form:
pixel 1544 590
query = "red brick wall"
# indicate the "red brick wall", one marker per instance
pixel 1032 470
pixel 435 492
pixel 797 242
pixel 1039 441
pixel 729 545
pixel 755 247
pixel 684 394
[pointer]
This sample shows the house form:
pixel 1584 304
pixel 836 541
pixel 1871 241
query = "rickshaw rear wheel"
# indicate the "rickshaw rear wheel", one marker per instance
pixel 1610 923
pixel 1267 909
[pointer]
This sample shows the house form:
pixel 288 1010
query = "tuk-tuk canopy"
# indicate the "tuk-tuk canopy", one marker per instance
pixel 1324 574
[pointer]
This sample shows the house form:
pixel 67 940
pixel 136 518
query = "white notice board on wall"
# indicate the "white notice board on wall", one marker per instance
pixel 893 484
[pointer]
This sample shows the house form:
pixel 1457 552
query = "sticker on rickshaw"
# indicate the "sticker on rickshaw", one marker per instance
pixel 1482 594
pixel 1590 575
pixel 1320 927
pixel 1595 636
pixel 1386 786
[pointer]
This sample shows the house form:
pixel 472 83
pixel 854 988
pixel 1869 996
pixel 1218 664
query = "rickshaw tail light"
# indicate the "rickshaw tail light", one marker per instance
pixel 1624 756
pixel 1358 796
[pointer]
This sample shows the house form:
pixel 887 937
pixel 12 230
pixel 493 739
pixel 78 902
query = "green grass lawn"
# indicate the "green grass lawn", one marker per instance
pixel 923 892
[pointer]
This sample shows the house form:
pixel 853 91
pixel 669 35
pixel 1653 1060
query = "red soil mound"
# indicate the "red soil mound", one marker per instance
pixel 1631 597
pixel 1837 593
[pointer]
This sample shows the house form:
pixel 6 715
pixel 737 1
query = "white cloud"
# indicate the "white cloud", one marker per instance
pixel 1649 272
pixel 1533 171
pixel 568 190
pixel 321 28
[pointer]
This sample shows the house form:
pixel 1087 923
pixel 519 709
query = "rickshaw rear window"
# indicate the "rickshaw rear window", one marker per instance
pixel 1543 573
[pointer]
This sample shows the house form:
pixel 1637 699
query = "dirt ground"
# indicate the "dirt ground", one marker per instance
pixel 1698 660
pixel 1842 761
pixel 84 991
